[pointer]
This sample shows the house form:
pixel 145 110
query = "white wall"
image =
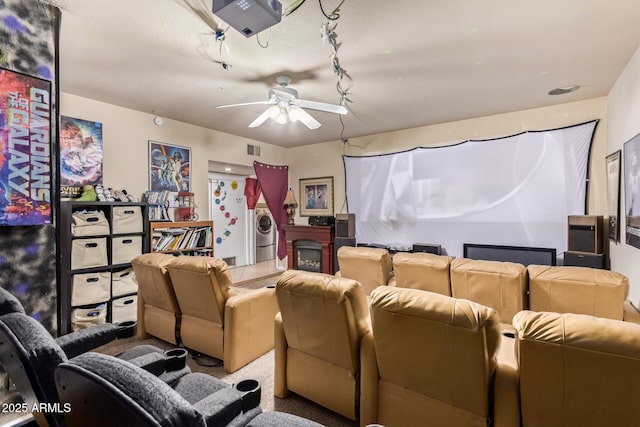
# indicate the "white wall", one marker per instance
pixel 126 134
pixel 325 159
pixel 624 111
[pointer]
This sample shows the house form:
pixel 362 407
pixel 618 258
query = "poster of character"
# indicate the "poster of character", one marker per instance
pixel 632 190
pixel 80 155
pixel 169 169
pixel 25 149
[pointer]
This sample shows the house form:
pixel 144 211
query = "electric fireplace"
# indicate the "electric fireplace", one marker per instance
pixel 310 248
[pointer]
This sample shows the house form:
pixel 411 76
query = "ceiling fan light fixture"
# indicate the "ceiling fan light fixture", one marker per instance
pixel 282 117
pixel 274 111
pixel 294 114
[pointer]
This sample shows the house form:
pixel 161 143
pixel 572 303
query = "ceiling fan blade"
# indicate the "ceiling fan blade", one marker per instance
pixel 304 117
pixel 247 103
pixel 322 106
pixel 261 119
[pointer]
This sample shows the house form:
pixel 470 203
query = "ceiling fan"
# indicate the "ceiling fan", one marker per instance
pixel 285 105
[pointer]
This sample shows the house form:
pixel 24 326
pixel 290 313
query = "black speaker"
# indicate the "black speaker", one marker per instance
pixel 586 234
pixel 583 259
pixel 425 247
pixel 339 242
pixel 345 225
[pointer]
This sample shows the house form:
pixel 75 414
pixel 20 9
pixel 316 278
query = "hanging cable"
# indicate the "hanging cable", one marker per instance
pixel 294 6
pixel 268 38
pixel 334 15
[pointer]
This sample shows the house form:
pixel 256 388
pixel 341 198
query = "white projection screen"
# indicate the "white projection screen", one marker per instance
pixel 514 191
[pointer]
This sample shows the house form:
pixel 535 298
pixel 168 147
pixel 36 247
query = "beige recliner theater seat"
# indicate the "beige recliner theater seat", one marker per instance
pixel 578 370
pixel 217 321
pixel 318 331
pixel 431 360
pixel 421 270
pixel 371 267
pixel 158 311
pixel 499 285
pixel 580 290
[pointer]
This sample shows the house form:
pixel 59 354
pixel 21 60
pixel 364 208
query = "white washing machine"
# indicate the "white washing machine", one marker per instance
pixel 265 236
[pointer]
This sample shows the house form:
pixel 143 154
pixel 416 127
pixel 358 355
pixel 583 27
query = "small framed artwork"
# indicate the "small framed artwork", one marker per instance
pixel 169 169
pixel 632 190
pixel 316 196
pixel 613 194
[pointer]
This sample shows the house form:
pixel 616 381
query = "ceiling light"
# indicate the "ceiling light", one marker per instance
pixel 274 111
pixel 563 90
pixel 294 114
pixel 282 117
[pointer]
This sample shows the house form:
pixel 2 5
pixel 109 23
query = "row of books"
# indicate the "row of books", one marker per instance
pixel 158 197
pixel 158 213
pixel 169 239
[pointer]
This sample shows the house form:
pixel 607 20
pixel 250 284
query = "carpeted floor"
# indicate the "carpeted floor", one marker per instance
pixel 261 369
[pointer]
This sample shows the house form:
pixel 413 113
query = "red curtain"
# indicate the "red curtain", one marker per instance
pixel 274 183
pixel 252 192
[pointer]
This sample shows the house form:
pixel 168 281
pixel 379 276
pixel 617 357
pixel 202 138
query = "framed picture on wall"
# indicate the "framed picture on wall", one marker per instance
pixel 25 149
pixel 316 196
pixel 169 169
pixel 613 194
pixel 632 190
pixel 80 155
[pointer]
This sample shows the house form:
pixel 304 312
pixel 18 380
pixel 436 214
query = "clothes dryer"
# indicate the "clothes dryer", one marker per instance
pixel 265 236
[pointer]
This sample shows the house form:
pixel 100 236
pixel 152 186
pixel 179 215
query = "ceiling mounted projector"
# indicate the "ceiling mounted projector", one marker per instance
pixel 248 16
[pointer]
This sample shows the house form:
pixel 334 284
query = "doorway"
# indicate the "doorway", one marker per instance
pixel 232 220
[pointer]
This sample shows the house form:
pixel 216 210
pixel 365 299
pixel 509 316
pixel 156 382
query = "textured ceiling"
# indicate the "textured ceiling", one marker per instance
pixel 411 62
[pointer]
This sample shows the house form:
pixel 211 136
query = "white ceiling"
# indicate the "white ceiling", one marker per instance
pixel 412 62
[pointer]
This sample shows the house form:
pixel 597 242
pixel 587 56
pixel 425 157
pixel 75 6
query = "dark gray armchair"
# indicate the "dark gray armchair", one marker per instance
pixel 29 355
pixel 74 343
pixel 103 391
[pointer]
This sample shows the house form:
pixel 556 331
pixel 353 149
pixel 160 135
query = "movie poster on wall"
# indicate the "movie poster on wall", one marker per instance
pixel 632 190
pixel 25 149
pixel 81 153
pixel 169 169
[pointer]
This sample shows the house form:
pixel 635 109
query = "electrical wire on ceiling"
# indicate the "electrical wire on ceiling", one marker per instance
pixel 266 45
pixel 222 47
pixel 328 34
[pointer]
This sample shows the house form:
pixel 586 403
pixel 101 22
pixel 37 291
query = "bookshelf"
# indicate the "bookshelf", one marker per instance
pixel 186 237
pixel 96 244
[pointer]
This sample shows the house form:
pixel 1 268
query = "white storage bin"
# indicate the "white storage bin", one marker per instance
pixel 123 282
pixel 88 253
pixel 82 318
pixel 90 288
pixel 124 248
pixel 92 223
pixel 124 309
pixel 127 219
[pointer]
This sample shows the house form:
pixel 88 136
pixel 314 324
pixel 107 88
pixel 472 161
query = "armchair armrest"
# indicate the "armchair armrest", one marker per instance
pixel 369 378
pixel 248 327
pixel 153 362
pixel 280 366
pixel 84 340
pixel 630 313
pixel 221 407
